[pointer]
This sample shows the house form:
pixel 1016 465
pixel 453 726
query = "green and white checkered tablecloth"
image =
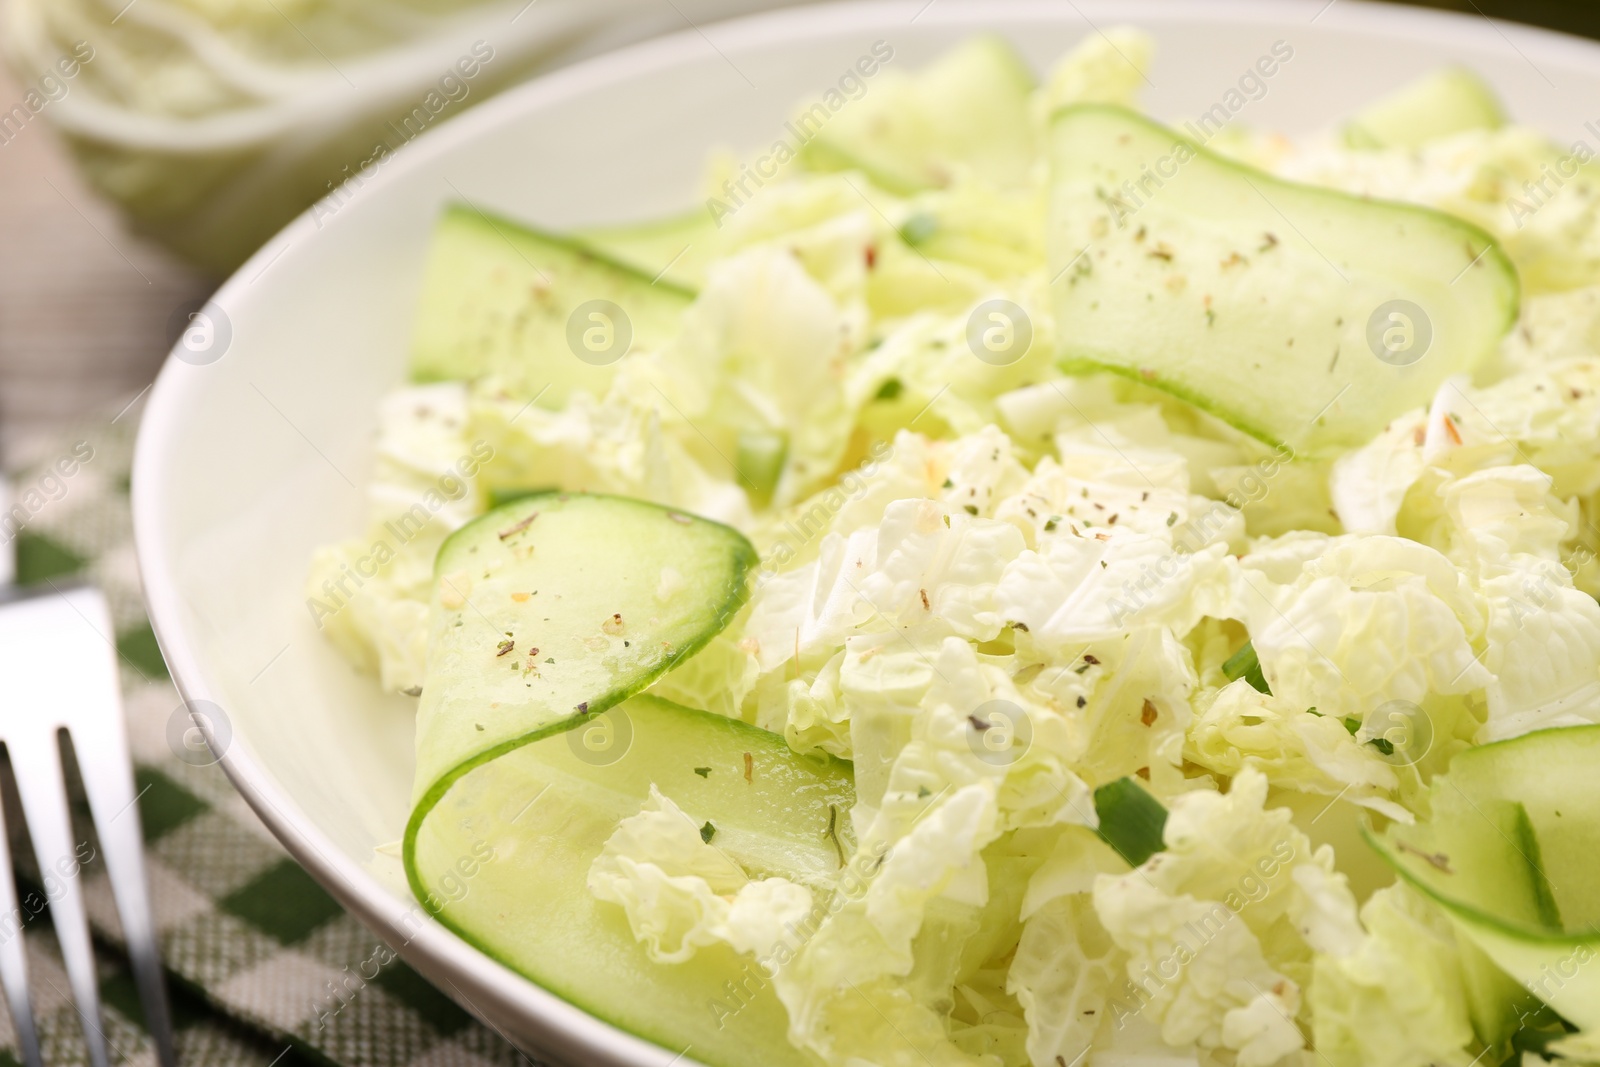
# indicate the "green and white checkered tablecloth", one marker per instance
pixel 265 969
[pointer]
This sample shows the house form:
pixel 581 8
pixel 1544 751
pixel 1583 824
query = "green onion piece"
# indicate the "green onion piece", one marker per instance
pixel 707 832
pixel 890 389
pixel 759 458
pixel 1131 820
pixel 1244 664
pixel 918 228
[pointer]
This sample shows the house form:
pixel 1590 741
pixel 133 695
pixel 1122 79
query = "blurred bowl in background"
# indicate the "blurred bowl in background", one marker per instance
pixel 212 123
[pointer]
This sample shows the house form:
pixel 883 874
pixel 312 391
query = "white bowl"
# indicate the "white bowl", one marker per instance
pixel 247 463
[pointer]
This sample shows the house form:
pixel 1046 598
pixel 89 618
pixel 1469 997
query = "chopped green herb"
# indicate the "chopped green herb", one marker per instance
pixel 890 390
pixel 1131 820
pixel 704 772
pixel 832 832
pixel 707 832
pixel 1244 664
pixel 922 791
pixel 1382 744
pixel 970 509
pixel 918 228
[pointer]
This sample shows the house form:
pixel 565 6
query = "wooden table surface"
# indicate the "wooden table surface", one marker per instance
pixel 83 304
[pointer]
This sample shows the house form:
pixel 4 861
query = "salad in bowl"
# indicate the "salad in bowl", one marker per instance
pixel 1007 581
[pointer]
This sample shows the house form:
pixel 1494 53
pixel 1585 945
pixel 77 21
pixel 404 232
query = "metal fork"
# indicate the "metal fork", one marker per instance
pixel 58 675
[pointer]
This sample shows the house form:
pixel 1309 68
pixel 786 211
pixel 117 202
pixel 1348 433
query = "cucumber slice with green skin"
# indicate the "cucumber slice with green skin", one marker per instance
pixel 968 110
pixel 533 821
pixel 675 250
pixel 558 606
pixel 1449 100
pixel 500 298
pixel 501 496
pixel 1511 853
pixel 527 761
pixel 1270 304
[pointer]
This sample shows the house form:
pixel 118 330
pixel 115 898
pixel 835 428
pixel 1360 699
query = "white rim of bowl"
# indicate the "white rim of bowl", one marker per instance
pixel 571 1030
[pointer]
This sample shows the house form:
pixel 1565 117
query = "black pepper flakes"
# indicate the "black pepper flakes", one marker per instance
pixel 512 531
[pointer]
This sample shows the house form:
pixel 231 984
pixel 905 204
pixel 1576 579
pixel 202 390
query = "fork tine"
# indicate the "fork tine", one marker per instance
pixel 58 673
pixel 108 780
pixel 14 959
pixel 44 804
